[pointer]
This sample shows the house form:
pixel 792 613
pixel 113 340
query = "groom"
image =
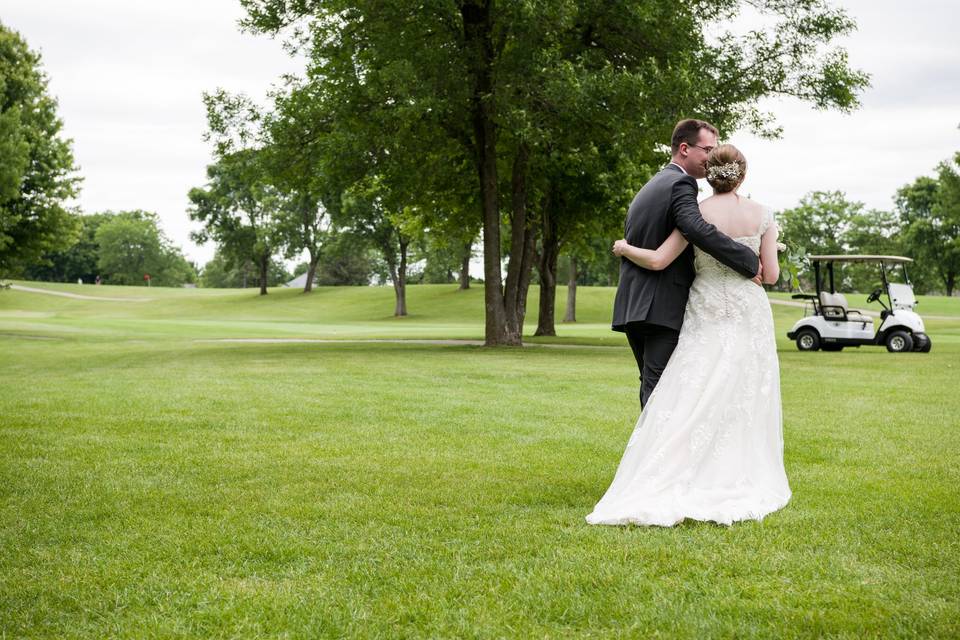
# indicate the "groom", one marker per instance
pixel 649 305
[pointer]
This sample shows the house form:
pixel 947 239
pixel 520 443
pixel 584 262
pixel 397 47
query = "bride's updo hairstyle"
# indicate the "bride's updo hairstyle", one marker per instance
pixel 726 168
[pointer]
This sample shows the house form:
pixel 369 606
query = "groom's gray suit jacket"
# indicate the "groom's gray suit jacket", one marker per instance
pixel 666 202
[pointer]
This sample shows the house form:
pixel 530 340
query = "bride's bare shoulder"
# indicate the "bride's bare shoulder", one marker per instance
pixel 752 205
pixel 709 202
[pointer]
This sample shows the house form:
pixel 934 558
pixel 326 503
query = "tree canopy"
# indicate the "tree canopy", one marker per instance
pixel 929 211
pixel 496 90
pixel 130 245
pixel 238 209
pixel 37 172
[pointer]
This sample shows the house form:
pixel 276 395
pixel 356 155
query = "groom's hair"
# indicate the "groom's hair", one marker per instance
pixel 689 131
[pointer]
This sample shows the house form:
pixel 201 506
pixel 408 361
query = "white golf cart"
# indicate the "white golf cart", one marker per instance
pixel 832 325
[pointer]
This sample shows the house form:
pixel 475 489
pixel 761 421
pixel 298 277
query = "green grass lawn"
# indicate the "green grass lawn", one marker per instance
pixel 154 483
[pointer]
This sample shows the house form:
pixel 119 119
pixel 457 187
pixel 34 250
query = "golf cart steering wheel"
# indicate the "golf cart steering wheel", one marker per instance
pixel 875 295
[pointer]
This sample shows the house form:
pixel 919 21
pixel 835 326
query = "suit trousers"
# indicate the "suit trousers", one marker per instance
pixel 652 347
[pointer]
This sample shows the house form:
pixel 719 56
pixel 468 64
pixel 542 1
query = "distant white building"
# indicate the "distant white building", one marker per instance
pixel 300 281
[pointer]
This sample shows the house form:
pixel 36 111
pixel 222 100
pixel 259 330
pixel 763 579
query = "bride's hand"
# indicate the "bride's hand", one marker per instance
pixel 620 247
pixel 758 279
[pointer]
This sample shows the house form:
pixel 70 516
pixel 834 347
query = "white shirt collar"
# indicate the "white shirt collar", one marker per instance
pixel 681 168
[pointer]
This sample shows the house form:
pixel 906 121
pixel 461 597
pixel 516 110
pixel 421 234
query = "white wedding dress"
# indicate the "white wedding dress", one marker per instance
pixel 709 442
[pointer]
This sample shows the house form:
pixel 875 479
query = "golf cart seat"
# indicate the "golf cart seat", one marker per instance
pixel 835 307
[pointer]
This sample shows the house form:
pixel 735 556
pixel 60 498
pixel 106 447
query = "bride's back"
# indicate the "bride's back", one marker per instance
pixel 733 215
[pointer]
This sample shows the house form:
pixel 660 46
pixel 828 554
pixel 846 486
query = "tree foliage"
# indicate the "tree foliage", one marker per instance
pixel 131 245
pixel 827 223
pixel 495 90
pixel 238 209
pixel 349 259
pixel 929 211
pixel 36 163
pixel 221 273
pixel 77 262
pixel 924 226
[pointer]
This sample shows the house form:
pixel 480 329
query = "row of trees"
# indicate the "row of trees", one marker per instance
pixel 525 124
pixel 118 248
pixel 924 225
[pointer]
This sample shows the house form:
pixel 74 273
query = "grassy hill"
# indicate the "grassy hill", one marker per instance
pixel 156 482
pixel 436 311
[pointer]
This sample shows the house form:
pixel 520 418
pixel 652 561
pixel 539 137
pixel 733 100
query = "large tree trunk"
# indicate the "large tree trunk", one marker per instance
pixel 311 271
pixel 400 280
pixel 478 40
pixel 264 265
pixel 571 313
pixel 951 282
pixel 526 272
pixel 522 249
pixel 465 266
pixel 310 228
pixel 546 324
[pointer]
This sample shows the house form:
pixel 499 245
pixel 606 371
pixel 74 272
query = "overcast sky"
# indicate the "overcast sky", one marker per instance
pixel 129 77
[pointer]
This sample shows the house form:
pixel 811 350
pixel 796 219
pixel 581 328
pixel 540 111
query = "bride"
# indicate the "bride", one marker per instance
pixel 709 442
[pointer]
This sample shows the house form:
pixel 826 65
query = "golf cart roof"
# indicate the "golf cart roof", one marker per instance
pixel 859 258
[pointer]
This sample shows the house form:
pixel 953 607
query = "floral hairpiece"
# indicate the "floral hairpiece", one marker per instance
pixel 726 172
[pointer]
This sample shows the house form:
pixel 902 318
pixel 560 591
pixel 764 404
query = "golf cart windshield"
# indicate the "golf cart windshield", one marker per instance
pixel 888 267
pixel 901 296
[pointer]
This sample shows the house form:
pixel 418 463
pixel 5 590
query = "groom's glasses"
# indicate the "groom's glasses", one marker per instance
pixel 705 149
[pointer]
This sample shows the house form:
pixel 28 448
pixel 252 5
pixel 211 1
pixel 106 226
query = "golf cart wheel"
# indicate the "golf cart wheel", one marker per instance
pixel 808 340
pixel 832 347
pixel 899 342
pixel 922 343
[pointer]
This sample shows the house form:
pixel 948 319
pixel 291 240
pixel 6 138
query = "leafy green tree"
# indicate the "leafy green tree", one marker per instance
pixel 131 245
pixel 440 260
pixel 587 261
pixel 373 211
pixel 319 163
pixel 237 209
pixel 299 226
pixel 300 269
pixel 221 273
pixel 218 273
pixel 348 259
pixel 79 261
pixel 595 264
pixel 37 172
pixel 583 202
pixel 817 226
pixel 447 240
pixel 829 223
pixel 298 170
pixel 914 206
pixel 489 86
pixel 871 232
pixel 929 210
